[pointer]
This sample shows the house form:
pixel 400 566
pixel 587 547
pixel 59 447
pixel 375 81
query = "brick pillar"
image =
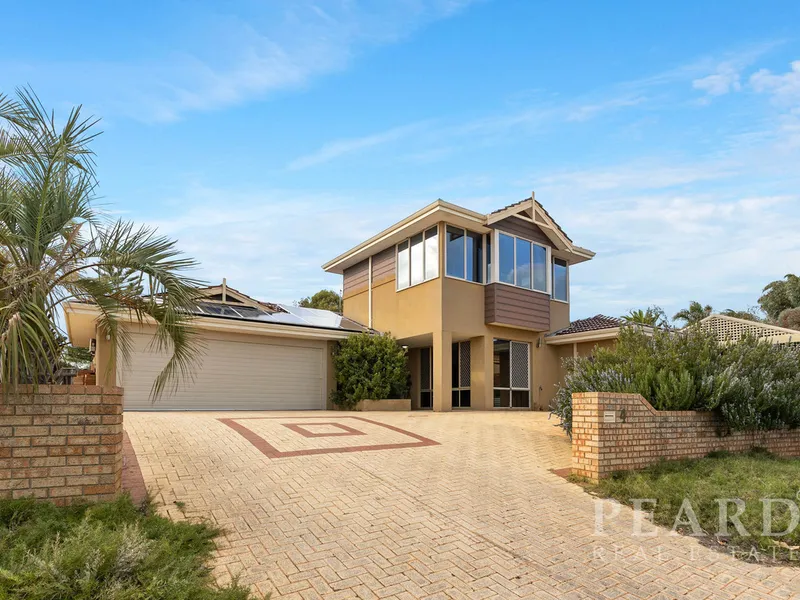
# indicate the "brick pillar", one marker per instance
pixel 61 443
pixel 586 416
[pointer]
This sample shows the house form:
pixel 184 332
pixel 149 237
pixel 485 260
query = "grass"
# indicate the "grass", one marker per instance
pixel 750 477
pixel 108 551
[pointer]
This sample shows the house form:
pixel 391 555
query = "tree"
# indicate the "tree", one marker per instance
pixel 652 316
pixel 789 318
pixel 694 314
pixel 323 299
pixel 780 295
pixel 369 367
pixel 55 247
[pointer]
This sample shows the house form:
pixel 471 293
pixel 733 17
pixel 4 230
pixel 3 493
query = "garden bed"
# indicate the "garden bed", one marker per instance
pixel 111 551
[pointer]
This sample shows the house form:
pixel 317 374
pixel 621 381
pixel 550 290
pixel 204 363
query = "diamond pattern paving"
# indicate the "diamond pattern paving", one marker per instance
pixel 478 515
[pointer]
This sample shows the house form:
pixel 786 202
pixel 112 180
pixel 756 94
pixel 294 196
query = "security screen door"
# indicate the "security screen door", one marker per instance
pixel 512 368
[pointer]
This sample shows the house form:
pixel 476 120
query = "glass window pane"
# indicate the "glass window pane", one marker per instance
pixel 488 258
pixel 560 279
pixel 402 266
pixel 502 364
pixel 502 399
pixel 465 398
pixel 475 257
pixel 520 399
pixel 539 268
pixel 523 263
pixel 454 398
pixel 417 266
pixel 426 400
pixel 432 253
pixel 506 258
pixel 455 252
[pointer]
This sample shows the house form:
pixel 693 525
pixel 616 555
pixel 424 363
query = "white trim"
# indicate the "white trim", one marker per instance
pixel 609 333
pixel 369 284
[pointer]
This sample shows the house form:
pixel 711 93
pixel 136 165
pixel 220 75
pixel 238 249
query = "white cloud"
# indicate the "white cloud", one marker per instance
pixel 339 148
pixel 271 243
pixel 726 79
pixel 233 59
pixel 785 89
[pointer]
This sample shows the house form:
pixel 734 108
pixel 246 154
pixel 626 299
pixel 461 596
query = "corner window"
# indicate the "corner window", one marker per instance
pixel 522 263
pixel 464 254
pixel 560 280
pixel 418 259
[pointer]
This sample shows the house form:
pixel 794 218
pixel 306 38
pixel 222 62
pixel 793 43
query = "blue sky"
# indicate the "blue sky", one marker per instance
pixel 268 137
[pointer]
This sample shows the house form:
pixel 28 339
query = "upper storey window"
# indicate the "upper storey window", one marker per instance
pixel 418 258
pixel 522 263
pixel 560 280
pixel 464 257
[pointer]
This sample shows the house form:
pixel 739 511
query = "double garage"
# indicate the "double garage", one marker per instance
pixel 234 372
pixel 255 356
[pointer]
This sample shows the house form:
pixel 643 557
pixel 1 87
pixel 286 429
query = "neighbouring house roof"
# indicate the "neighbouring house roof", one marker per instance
pixel 731 329
pixel 529 210
pixel 595 323
pixel 596 328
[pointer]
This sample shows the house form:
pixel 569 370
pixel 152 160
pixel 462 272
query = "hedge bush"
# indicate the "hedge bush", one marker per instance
pixel 753 384
pixel 369 367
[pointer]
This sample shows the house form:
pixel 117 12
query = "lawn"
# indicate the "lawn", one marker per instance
pixel 749 477
pixel 108 551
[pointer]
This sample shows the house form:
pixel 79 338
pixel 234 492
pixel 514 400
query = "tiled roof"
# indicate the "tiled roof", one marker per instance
pixel 594 323
pixel 521 202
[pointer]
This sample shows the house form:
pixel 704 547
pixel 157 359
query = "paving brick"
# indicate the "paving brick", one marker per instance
pixel 480 515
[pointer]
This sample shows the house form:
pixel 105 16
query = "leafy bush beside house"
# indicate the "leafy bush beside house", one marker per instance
pixel 752 384
pixel 369 367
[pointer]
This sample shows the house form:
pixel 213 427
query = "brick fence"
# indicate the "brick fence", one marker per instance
pixel 62 443
pixel 621 432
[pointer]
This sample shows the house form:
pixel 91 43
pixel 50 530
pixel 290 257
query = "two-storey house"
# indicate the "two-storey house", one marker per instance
pixel 472 296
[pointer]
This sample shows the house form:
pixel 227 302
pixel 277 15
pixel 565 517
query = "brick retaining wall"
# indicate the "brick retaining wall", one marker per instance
pixel 622 432
pixel 62 443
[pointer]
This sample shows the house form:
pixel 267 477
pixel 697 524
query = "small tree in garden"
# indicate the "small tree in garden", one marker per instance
pixel 323 299
pixel 55 247
pixel 369 367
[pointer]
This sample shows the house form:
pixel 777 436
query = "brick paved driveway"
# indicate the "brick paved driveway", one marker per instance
pixel 478 514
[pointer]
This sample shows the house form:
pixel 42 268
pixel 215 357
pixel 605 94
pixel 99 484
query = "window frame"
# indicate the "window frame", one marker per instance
pixel 496 263
pixel 553 278
pixel 480 237
pixel 407 240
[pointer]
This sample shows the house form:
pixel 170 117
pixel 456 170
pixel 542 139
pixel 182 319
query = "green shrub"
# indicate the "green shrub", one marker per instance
pixel 752 384
pixel 109 551
pixel 369 367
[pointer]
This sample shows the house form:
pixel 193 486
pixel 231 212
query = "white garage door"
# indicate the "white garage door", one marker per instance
pixel 232 375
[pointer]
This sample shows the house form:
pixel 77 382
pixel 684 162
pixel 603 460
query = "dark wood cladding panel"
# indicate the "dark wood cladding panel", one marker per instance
pixel 356 278
pixel 510 305
pixel 383 266
pixel 529 231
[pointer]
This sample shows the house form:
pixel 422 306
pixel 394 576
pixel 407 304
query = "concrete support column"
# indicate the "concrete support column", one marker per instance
pixel 442 370
pixel 481 377
pixel 105 371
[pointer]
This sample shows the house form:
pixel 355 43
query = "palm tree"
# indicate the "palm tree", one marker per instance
pixel 55 247
pixel 652 316
pixel 694 314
